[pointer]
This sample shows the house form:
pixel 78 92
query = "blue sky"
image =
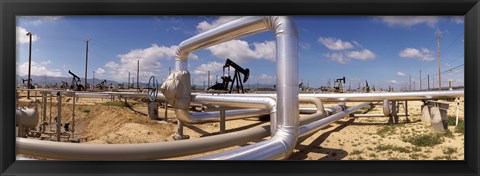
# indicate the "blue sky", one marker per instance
pixel 383 50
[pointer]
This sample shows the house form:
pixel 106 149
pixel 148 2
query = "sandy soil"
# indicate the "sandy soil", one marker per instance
pixel 364 138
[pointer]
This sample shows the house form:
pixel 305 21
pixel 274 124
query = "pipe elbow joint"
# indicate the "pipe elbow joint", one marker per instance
pixel 287 136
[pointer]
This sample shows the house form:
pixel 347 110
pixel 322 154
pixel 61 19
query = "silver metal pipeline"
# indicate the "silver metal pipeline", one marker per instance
pixel 313 127
pixel 282 143
pixel 374 97
pixel 261 105
pixel 159 150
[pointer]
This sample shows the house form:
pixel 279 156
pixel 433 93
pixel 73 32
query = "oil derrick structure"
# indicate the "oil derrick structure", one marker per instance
pixel 75 85
pixel 227 81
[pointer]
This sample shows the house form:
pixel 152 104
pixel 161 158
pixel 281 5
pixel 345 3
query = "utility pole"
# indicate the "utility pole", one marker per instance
pixel 93 80
pixel 420 79
pixel 433 82
pixel 208 78
pixel 438 61
pixel 428 81
pixel 138 71
pixel 414 85
pixel 410 82
pixel 86 64
pixel 29 64
pixel 45 83
pixel 128 85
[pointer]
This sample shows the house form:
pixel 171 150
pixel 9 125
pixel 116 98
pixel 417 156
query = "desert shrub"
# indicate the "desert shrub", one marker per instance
pixel 424 140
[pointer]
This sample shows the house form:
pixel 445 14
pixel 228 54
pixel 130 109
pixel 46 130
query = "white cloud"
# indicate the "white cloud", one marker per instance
pixel 149 58
pixel 38 69
pixel 265 77
pixel 204 25
pixel 304 45
pixel 401 74
pixel 457 19
pixel 211 66
pixel 240 51
pixel 334 43
pixel 392 81
pixel 361 55
pixel 337 57
pixel 100 71
pixel 22 36
pixel 409 21
pixel 37 20
pixel 423 54
pixel 344 57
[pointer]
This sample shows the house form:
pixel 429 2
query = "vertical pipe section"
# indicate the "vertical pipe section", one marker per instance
pixel 283 141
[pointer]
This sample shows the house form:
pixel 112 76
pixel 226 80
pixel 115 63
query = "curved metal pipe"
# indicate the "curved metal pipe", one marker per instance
pixel 159 150
pixel 263 105
pixel 283 141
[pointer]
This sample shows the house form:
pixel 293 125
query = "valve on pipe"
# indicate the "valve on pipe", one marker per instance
pixel 152 93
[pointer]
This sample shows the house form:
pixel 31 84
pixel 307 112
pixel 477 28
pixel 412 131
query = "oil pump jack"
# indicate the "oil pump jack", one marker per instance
pixel 339 85
pixel 75 83
pixel 102 85
pixel 367 88
pixel 237 78
pixel 31 85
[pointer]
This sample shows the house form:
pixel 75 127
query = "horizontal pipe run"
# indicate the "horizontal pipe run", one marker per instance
pixel 373 97
pixel 375 115
pixel 147 151
pixel 214 116
pixel 313 127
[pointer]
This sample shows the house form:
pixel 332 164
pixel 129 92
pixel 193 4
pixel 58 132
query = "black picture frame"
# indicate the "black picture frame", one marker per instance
pixel 10 8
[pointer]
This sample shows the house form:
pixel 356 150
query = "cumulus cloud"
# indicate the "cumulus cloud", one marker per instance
pixel 37 20
pixel 392 81
pixel 400 74
pixel 335 44
pixel 100 71
pixel 38 69
pixel 150 61
pixel 240 50
pixel 344 57
pixel 361 55
pixel 205 26
pixel 304 45
pixel 22 36
pixel 337 57
pixel 457 19
pixel 423 54
pixel 409 21
pixel 211 66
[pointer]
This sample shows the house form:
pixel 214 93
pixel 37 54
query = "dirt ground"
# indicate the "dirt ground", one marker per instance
pixel 99 121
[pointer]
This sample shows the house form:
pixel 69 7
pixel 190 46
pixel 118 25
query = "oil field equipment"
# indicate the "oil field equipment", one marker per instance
pixel 75 85
pixel 101 86
pixel 367 88
pixel 339 85
pixel 64 85
pixel 237 79
pixel 26 80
